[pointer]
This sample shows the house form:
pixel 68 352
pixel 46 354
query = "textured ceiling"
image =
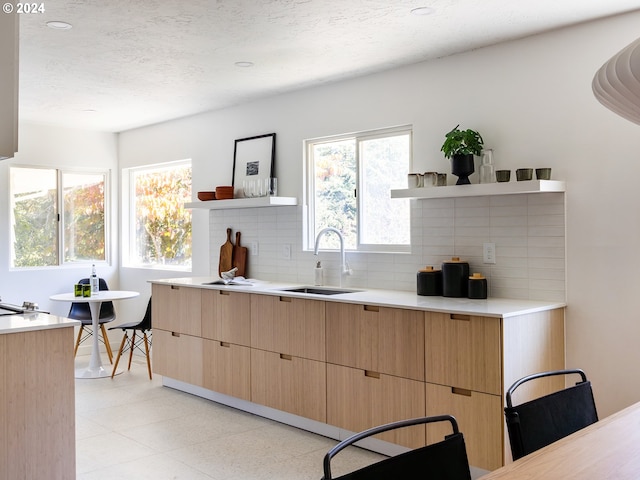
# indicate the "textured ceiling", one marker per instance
pixel 129 63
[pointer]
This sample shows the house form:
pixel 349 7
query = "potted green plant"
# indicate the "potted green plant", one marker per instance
pixel 461 146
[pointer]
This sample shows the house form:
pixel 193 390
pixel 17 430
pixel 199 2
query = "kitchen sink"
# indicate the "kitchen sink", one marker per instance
pixel 319 290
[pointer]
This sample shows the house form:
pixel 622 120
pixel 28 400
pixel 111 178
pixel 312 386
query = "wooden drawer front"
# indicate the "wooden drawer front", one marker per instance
pixel 178 356
pixel 292 326
pixel 226 316
pixel 463 351
pixel 480 418
pixel 227 368
pixel 386 340
pixel 358 399
pixel 292 384
pixel 177 309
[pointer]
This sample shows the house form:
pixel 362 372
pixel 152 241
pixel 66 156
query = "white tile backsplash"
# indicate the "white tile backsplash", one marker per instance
pixel 528 230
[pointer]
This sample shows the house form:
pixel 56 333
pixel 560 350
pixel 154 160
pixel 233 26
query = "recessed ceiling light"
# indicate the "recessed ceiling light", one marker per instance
pixel 244 64
pixel 422 11
pixel 56 25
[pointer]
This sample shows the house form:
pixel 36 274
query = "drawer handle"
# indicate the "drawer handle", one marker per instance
pixel 371 374
pixel 457 316
pixel 223 292
pixel 284 356
pixel 225 344
pixel 371 308
pixel 175 334
pixel 461 391
pixel 285 299
pixel 175 287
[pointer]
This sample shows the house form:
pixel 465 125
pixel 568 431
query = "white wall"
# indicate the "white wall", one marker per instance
pixel 58 148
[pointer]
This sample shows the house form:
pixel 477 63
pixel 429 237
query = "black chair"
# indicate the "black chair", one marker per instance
pixel 544 420
pixel 144 327
pixel 82 312
pixel 445 460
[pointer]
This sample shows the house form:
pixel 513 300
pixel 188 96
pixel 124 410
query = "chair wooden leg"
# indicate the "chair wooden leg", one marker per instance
pixel 133 342
pixel 146 347
pixel 115 367
pixel 75 351
pixel 106 342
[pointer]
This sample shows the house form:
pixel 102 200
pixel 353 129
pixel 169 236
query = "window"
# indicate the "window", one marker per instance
pixel 350 178
pixel 160 230
pixel 42 236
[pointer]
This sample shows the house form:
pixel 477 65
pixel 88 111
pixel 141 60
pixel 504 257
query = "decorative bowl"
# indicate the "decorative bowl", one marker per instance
pixel 205 196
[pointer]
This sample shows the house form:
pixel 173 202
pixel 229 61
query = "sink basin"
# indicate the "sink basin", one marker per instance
pixel 319 290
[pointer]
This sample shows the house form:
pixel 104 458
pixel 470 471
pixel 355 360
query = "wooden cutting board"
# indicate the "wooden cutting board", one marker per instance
pixel 226 255
pixel 240 257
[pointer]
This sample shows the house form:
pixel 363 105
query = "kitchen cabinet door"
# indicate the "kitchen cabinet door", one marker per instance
pixel 359 399
pixel 226 316
pixel 227 368
pixel 480 418
pixel 463 351
pixel 292 384
pixel 292 326
pixel 177 309
pixel 385 340
pixel 178 356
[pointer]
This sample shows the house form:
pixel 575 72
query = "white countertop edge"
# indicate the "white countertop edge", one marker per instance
pixel 491 307
pixel 30 322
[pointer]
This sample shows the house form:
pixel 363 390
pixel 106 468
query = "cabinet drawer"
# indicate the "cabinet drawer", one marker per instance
pixel 292 326
pixel 359 399
pixel 177 309
pixel 226 316
pixel 178 356
pixel 292 384
pixel 227 368
pixel 463 351
pixel 480 418
pixel 386 340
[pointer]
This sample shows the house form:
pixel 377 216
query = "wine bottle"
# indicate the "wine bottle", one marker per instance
pixel 94 280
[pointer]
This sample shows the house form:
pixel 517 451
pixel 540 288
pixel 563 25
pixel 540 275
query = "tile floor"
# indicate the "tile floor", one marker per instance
pixel 134 428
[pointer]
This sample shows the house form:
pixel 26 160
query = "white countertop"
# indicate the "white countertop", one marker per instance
pixel 32 321
pixel 491 307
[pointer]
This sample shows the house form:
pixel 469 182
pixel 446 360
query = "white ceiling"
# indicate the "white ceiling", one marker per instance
pixel 129 63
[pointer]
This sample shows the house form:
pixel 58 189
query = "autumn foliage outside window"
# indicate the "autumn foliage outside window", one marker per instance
pixel 161 227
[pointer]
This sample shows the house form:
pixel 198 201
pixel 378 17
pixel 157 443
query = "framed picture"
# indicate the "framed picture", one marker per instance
pixel 253 163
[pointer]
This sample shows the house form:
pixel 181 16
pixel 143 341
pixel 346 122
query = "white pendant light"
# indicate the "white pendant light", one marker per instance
pixel 617 83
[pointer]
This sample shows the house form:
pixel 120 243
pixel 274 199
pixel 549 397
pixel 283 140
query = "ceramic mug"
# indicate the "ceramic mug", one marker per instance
pixel 429 179
pixel 414 180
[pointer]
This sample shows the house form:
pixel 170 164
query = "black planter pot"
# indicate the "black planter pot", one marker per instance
pixel 462 166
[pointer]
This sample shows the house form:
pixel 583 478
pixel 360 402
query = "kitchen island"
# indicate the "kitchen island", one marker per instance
pixel 37 397
pixel 336 364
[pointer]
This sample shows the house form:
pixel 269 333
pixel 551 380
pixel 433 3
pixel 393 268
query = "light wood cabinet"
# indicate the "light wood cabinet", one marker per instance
pixel 177 309
pixel 179 356
pixel 381 339
pixel 226 316
pixel 359 399
pixel 480 418
pixel 227 368
pixel 37 405
pixel 464 351
pixel 292 384
pixel 291 326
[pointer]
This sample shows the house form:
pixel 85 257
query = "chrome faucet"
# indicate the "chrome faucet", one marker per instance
pixel 344 267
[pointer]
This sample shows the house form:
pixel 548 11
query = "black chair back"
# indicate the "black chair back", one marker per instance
pixel 82 312
pixel 145 324
pixel 542 421
pixel 443 460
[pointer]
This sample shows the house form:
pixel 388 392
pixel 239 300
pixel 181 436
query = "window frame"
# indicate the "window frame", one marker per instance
pixel 309 186
pixel 60 221
pixel 129 225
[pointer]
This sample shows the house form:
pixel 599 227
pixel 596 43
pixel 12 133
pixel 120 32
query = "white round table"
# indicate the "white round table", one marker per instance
pixel 95 369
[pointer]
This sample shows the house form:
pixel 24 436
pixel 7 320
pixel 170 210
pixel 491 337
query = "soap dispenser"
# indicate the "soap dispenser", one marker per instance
pixel 319 277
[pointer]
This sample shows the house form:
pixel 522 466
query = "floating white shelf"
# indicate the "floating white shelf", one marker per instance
pixel 244 203
pixel 482 189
